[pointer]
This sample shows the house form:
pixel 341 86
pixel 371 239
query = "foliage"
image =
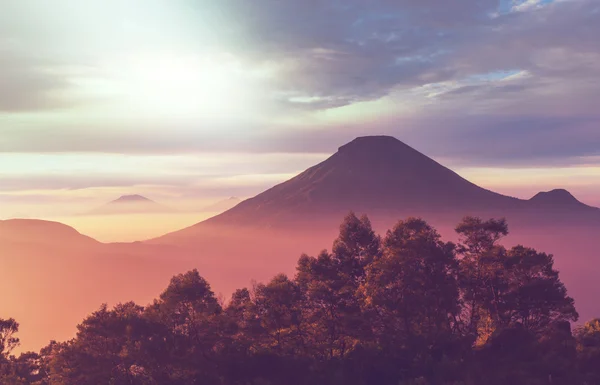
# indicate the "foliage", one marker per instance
pixel 407 308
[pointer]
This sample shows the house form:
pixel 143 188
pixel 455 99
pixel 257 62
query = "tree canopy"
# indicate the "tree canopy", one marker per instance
pixel 406 308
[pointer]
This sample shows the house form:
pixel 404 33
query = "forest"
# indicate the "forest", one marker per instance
pixel 406 308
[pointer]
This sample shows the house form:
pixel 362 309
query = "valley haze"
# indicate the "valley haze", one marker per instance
pixel 264 235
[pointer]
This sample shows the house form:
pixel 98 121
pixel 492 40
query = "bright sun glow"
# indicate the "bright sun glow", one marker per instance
pixel 216 87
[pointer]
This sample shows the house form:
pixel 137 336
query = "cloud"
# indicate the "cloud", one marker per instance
pixel 27 82
pixel 70 172
pixel 432 66
pixel 345 52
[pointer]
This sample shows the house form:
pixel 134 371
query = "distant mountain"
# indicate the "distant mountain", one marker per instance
pixel 369 174
pixel 131 199
pixel 223 205
pixel 378 175
pixel 38 232
pixel 558 199
pixel 384 177
pixel 51 276
pixel 130 204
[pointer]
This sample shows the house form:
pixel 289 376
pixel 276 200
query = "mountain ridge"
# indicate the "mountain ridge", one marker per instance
pixel 39 231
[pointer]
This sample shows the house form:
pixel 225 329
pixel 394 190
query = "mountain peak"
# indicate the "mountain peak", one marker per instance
pixel 369 174
pixel 130 204
pixel 132 198
pixel 559 197
pixel 373 143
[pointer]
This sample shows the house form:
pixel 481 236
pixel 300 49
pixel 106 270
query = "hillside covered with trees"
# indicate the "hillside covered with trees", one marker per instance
pixel 405 308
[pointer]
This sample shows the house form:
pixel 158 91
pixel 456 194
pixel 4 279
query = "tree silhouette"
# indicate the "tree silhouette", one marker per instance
pixel 410 309
pixel 8 341
pixel 412 292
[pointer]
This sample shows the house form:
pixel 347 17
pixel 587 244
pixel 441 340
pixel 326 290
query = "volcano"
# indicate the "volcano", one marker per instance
pixel 131 204
pixel 378 175
pixel 388 180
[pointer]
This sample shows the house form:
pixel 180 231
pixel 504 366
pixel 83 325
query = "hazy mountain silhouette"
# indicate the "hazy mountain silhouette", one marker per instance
pixel 222 205
pixel 557 199
pixel 130 204
pixel 387 179
pixel 262 236
pixel 131 198
pixel 369 174
pixel 45 233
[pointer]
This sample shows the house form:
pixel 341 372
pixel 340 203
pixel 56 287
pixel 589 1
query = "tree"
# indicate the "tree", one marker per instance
pixel 504 287
pixel 356 246
pixel 190 312
pixel 481 270
pixel 278 307
pixel 323 306
pixel 330 282
pixel 535 297
pixel 25 369
pixel 8 341
pixel 514 304
pixel 113 346
pixel 588 351
pixel 412 291
pixel 411 309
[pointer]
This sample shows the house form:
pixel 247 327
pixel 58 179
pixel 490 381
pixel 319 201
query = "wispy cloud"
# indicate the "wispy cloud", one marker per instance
pixel 509 83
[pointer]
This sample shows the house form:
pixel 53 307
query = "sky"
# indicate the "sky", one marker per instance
pixel 189 102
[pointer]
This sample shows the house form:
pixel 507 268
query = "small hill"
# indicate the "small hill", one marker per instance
pixel 39 232
pixel 557 199
pixel 130 204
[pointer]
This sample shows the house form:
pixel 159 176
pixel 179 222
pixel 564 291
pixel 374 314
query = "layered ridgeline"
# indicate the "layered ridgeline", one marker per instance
pixel 32 232
pixel 402 309
pixel 51 267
